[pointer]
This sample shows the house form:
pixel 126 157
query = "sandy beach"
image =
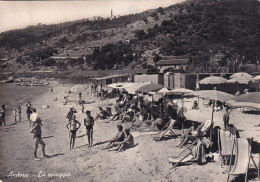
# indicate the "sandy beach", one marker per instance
pixel 147 161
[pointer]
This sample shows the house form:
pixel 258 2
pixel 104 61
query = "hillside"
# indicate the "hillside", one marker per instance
pixel 198 29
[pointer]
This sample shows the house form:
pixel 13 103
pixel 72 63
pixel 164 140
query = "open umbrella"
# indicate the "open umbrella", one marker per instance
pixel 241 74
pixel 164 90
pixel 246 100
pixel 215 96
pixel 132 89
pixel 239 80
pixel 180 91
pixel 213 80
pixel 257 78
pixel 149 88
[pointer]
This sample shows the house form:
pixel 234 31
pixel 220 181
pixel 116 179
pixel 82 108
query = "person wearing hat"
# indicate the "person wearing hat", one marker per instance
pixel 89 122
pixel 127 143
pixel 29 111
pixel 117 139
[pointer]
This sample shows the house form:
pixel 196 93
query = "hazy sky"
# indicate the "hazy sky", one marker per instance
pixel 19 14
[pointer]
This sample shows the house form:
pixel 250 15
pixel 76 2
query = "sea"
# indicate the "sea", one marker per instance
pixel 13 96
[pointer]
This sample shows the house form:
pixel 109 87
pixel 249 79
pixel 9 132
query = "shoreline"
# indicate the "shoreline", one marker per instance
pixel 148 161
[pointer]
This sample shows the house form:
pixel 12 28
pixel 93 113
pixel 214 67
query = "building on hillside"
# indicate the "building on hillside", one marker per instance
pixel 176 63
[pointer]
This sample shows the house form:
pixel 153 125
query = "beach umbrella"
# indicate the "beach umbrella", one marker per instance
pixel 246 100
pixel 164 90
pixel 257 78
pixel 132 89
pixel 213 80
pixel 180 91
pixel 149 88
pixel 239 80
pixel 241 74
pixel 215 96
pixel 212 95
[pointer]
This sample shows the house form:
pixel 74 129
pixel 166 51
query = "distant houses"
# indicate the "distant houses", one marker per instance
pixel 172 62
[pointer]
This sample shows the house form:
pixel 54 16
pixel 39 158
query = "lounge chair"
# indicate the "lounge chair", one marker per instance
pixel 168 130
pixel 225 143
pixel 175 161
pixel 203 131
pixel 242 148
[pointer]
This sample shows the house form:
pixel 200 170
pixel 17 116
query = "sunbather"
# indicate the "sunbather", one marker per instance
pixel 127 143
pixel 117 139
pixel 192 134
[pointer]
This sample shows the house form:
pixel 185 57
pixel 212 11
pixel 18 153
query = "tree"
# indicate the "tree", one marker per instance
pixel 49 62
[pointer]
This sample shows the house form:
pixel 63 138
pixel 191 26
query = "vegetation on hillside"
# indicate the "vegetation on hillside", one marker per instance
pixel 198 29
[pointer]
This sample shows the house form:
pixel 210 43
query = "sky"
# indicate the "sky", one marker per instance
pixel 19 14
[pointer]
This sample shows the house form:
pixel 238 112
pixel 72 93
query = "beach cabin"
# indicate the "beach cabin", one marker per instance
pixel 153 78
pixel 103 81
pixel 178 80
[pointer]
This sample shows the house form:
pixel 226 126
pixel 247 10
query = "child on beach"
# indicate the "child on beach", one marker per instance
pixel 71 112
pixel 72 127
pixel 89 122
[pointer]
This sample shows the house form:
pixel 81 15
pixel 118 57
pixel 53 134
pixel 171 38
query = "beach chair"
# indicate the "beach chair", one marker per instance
pixel 225 143
pixel 203 131
pixel 167 131
pixel 242 148
pixel 175 161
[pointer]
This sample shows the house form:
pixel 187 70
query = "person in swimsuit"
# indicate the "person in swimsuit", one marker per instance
pixel 89 122
pixel 19 110
pixel 72 127
pixel 117 139
pixel 192 134
pixel 2 112
pixel 36 130
pixel 29 111
pixel 127 143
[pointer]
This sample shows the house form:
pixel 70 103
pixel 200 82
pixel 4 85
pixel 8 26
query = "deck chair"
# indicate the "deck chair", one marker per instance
pixel 203 131
pixel 242 147
pixel 225 143
pixel 175 161
pixel 168 130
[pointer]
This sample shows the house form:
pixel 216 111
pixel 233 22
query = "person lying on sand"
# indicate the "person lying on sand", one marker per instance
pixel 192 134
pixel 127 143
pixel 72 127
pixel 36 130
pixel 89 122
pixel 117 139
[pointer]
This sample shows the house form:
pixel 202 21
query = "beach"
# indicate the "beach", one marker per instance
pixel 147 161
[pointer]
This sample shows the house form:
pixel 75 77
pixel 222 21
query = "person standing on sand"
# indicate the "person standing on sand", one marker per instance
pixel 51 92
pixel 79 96
pixel 89 122
pixel 226 117
pixel 15 114
pixel 36 130
pixel 19 110
pixel 2 113
pixel 29 111
pixel 72 127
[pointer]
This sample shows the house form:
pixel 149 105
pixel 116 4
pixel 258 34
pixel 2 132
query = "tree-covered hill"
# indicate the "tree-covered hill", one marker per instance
pixel 198 29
